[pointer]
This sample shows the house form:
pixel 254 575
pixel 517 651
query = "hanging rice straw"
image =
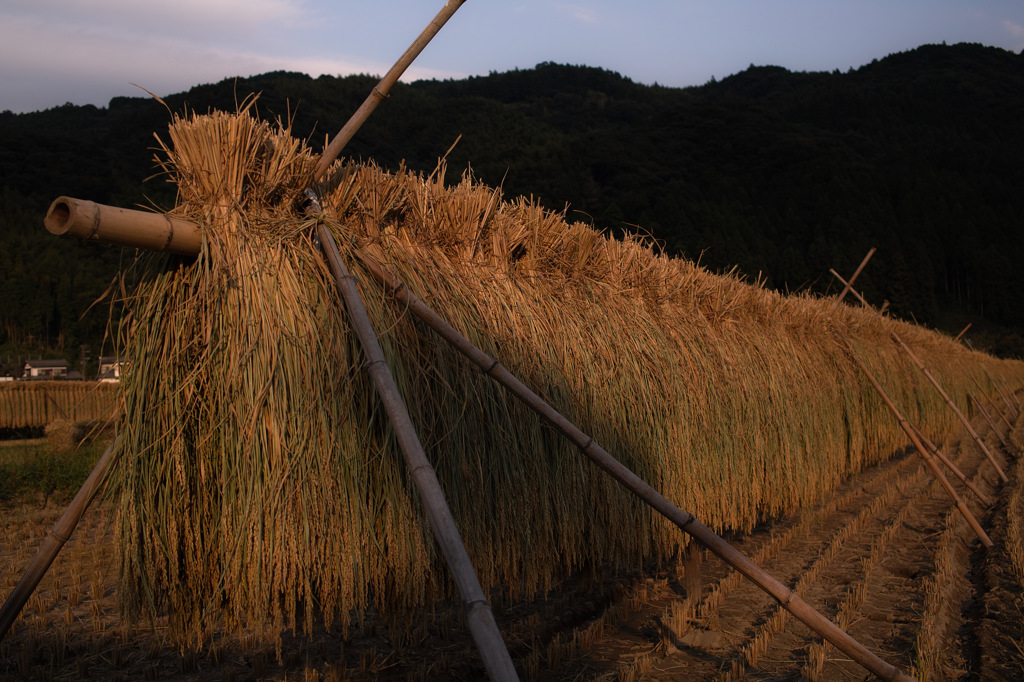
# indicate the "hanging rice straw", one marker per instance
pixel 919 446
pixel 683 520
pixel 931 378
pixel 259 485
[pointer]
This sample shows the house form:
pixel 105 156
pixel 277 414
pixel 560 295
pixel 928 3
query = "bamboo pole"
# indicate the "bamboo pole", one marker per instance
pixel 985 499
pixel 991 422
pixel 686 522
pixel 905 425
pixel 839 299
pixel 380 92
pixel 927 373
pixel 1009 404
pixel 993 403
pixel 962 332
pixel 125 227
pixel 54 541
pixel 478 612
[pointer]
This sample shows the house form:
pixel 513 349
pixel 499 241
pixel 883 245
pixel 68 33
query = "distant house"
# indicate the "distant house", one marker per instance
pixel 41 370
pixel 110 368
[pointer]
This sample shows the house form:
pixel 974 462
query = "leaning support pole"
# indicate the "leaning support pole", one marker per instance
pixel 927 373
pixel 380 92
pixel 909 430
pixel 991 422
pixel 995 406
pixel 591 449
pixel 982 497
pixel 478 612
pixel 849 285
pixel 956 410
pixel 54 542
pixel 1006 399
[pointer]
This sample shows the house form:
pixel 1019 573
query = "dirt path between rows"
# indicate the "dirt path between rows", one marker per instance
pixel 888 557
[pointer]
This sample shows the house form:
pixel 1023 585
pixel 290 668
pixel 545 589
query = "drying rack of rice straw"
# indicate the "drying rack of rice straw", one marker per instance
pixel 188 236
pixel 924 446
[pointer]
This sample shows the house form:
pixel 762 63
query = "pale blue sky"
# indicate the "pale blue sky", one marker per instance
pixel 87 51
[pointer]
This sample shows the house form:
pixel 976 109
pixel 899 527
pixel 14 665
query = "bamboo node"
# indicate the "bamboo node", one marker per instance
pixel 60 537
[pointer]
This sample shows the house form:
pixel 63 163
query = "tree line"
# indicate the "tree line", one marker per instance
pixel 779 174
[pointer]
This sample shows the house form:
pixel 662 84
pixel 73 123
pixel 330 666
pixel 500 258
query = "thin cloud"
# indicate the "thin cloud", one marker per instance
pixel 1015 30
pixel 579 13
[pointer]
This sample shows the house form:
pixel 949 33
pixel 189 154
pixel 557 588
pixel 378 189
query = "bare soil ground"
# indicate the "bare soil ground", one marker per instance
pixel 887 556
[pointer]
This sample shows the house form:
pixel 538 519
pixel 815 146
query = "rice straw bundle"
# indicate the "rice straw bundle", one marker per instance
pixel 35 404
pixel 258 476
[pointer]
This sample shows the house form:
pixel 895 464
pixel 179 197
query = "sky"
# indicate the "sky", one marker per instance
pixel 88 51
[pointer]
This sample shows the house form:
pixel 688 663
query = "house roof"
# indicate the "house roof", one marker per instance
pixel 46 363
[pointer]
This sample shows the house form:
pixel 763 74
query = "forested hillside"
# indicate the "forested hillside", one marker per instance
pixel 781 174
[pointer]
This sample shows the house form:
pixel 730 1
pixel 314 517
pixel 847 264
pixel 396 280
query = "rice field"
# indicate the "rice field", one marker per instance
pixel 883 555
pixel 259 487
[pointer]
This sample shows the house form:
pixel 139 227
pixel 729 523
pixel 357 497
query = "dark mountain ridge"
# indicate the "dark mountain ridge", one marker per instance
pixel 781 174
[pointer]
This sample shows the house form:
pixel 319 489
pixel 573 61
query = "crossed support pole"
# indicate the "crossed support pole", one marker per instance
pixel 912 431
pixel 86 219
pixel 685 521
pixel 931 378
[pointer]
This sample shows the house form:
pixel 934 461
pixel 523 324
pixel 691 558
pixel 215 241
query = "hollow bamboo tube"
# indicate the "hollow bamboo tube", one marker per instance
pixel 991 422
pixel 686 522
pixel 985 499
pixel 479 617
pixel 849 285
pixel 929 460
pixel 54 542
pixel 928 375
pixel 126 227
pixel 380 92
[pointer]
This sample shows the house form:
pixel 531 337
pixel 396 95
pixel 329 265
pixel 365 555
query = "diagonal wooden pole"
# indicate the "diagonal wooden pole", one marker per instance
pixel 479 617
pixel 685 521
pixel 55 540
pixel 985 499
pixel 905 425
pixel 931 378
pixel 993 403
pixel 380 92
pixel 842 295
pixel 1010 407
pixel 988 418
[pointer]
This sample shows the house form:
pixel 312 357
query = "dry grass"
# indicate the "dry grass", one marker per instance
pixel 35 404
pixel 260 482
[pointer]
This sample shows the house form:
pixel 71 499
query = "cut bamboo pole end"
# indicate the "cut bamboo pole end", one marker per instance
pixel 380 92
pixel 121 226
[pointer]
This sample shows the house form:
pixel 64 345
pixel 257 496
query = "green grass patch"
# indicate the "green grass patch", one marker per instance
pixel 36 469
